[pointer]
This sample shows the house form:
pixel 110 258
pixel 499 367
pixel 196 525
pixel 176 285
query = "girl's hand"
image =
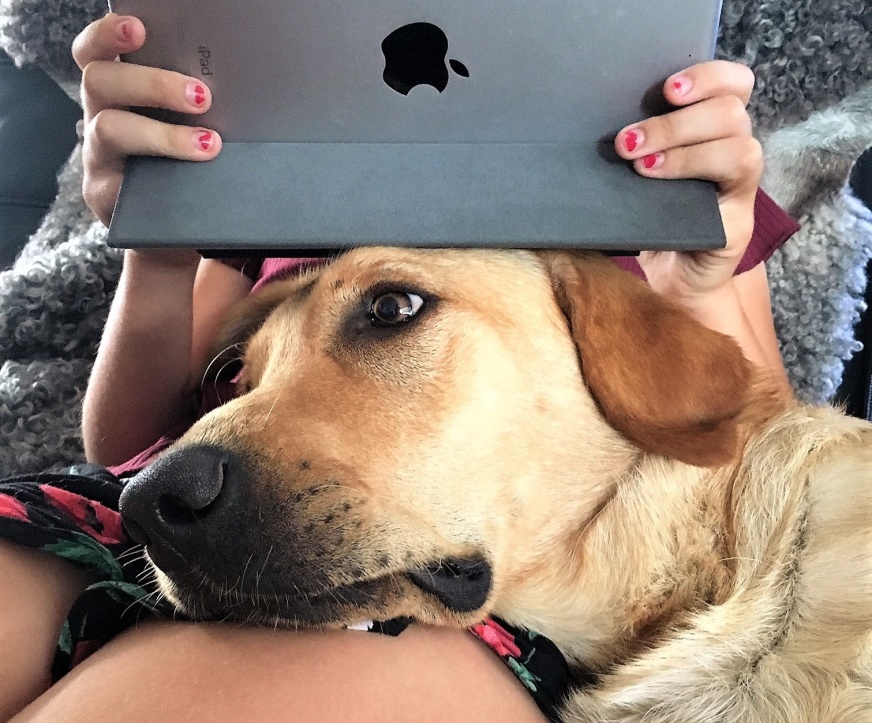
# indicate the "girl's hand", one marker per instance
pixel 708 137
pixel 112 133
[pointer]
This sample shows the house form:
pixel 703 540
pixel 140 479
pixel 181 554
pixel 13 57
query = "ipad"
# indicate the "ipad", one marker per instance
pixel 437 123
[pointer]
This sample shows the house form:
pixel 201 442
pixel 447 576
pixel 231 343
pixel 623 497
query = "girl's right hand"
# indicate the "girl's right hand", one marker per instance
pixel 112 132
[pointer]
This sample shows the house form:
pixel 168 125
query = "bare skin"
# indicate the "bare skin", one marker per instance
pixel 37 592
pixel 221 673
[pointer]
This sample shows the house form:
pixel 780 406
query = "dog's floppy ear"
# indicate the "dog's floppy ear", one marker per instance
pixel 665 381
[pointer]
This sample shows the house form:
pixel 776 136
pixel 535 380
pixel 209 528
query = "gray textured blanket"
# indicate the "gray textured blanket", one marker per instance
pixel 813 111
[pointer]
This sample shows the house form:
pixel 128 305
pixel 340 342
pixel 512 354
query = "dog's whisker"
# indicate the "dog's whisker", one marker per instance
pixel 146 581
pixel 278 396
pixel 137 601
pixel 148 575
pixel 132 553
pixel 244 570
pixel 161 597
pixel 227 364
pixel 399 588
pixel 300 593
pixel 262 570
pixel 335 597
pixel 215 359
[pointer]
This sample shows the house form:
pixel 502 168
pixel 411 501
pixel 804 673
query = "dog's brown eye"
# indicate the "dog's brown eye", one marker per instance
pixel 394 308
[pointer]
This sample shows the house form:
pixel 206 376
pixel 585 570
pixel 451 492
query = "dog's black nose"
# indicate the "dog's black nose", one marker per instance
pixel 177 503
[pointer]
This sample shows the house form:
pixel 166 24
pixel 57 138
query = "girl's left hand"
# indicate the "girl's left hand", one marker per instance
pixel 708 137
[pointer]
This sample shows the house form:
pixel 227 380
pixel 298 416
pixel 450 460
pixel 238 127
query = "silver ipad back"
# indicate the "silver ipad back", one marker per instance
pixel 424 70
pixel 418 123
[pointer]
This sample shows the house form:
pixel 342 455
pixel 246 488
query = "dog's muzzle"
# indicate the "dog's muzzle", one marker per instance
pixel 204 524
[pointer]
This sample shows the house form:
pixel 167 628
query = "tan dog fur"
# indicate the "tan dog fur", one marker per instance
pixel 675 526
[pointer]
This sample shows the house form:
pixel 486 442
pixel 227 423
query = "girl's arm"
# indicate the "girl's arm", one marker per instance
pixel 753 292
pixel 157 332
pixel 139 386
pixel 153 352
pixel 742 309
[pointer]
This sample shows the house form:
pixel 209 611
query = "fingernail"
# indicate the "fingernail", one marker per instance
pixel 633 139
pixel 681 85
pixel 196 94
pixel 203 139
pixel 655 160
pixel 125 31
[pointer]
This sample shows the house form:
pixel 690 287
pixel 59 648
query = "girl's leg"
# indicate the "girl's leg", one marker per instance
pixel 36 592
pixel 181 672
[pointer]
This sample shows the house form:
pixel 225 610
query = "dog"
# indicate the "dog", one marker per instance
pixel 444 435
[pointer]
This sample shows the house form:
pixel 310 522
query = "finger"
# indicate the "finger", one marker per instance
pixel 735 164
pixel 709 80
pixel 710 120
pixel 100 192
pixel 107 38
pixel 113 135
pixel 107 84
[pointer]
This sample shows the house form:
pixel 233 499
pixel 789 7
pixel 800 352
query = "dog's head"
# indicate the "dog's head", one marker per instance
pixel 417 430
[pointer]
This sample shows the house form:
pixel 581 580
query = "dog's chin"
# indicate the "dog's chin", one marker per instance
pixel 455 593
pixel 334 608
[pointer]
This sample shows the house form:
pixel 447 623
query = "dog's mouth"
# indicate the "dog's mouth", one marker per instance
pixel 332 608
pixel 460 585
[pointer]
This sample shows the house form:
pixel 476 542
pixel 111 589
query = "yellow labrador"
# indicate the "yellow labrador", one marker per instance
pixel 444 435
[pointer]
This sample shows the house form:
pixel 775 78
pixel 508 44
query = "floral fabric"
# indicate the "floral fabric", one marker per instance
pixel 535 660
pixel 74 514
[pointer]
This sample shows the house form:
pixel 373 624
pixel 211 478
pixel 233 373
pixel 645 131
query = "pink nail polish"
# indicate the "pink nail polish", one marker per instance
pixel 204 139
pixel 681 85
pixel 196 94
pixel 125 32
pixel 653 161
pixel 632 140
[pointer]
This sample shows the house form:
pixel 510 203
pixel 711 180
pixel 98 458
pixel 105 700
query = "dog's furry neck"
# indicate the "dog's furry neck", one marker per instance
pixel 601 609
pixel 662 548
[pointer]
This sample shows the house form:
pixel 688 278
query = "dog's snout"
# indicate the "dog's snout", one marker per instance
pixel 181 497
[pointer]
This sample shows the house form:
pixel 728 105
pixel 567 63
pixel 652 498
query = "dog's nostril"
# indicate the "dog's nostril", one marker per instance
pixel 178 510
pixel 174 511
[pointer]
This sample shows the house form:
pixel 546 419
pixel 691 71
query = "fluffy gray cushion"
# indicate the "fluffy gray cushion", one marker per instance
pixel 813 110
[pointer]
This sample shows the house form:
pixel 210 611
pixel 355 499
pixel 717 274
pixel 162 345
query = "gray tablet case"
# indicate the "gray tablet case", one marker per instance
pixel 418 122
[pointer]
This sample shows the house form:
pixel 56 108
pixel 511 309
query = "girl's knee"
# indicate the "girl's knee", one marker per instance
pixel 217 673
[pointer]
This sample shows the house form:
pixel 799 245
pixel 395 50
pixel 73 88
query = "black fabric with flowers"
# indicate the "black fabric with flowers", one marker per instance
pixel 74 514
pixel 534 659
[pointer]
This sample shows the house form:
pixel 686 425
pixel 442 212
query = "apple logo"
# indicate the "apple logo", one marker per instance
pixel 415 55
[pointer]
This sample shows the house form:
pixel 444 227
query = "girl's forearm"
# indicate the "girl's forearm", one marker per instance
pixel 733 310
pixel 140 386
